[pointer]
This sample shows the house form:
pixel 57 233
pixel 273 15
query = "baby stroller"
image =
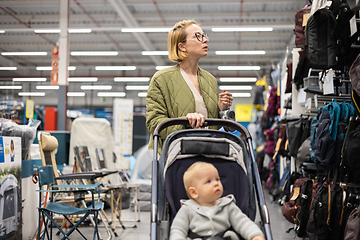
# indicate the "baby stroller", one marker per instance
pixel 232 157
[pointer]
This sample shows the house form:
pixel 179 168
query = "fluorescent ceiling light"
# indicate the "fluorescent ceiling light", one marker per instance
pixel 79 30
pixel 94 53
pixel 111 94
pixel 228 87
pixel 82 79
pixel 142 94
pixel 24 53
pixel 137 87
pixel 42 87
pixel 2 31
pixel 32 94
pixel 241 94
pixel 243 29
pixel 161 67
pixel 10 87
pixel 131 79
pixel 110 68
pixel 47 31
pixel 241 68
pixel 155 53
pixel 44 68
pixel 229 79
pixel 29 79
pixel 157 29
pixel 75 94
pixel 260 52
pixel 97 87
pixel 7 68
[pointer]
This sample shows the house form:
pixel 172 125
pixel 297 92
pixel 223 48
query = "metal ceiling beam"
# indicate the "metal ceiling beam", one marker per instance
pixel 150 15
pixel 55 3
pixel 130 21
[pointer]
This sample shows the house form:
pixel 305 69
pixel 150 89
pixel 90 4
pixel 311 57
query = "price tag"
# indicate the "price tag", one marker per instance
pixel 301 96
pixel 308 103
pixel 329 83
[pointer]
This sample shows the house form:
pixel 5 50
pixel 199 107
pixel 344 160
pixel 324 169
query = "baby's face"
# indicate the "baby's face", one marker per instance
pixel 208 186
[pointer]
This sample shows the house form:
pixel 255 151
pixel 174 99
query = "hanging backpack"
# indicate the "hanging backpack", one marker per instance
pixel 290 208
pixel 299 26
pixel 318 224
pixel 321 45
pixel 270 142
pixel 352 229
pixel 281 142
pixel 273 103
pixel 302 70
pixel 294 133
pixel 328 144
pixel 308 191
pixel 313 133
pixel 346 111
pixel 351 154
pixel 343 14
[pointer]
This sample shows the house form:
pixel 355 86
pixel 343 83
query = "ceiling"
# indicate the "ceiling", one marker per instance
pixel 107 18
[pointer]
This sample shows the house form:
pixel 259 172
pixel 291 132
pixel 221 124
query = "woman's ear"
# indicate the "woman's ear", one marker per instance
pixel 193 193
pixel 182 47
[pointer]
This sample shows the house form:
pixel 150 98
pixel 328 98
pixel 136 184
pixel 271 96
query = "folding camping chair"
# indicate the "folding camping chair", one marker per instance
pixel 83 164
pixel 47 146
pixel 124 180
pixel 47 213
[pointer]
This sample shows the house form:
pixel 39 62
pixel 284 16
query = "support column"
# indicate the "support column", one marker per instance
pixel 63 64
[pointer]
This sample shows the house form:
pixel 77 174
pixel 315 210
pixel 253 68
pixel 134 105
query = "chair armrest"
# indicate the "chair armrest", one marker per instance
pixel 86 175
pixel 79 188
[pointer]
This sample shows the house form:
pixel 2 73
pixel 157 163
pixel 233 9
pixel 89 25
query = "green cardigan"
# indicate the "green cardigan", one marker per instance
pixel 169 96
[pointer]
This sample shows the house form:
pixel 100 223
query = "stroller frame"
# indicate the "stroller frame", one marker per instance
pixel 264 213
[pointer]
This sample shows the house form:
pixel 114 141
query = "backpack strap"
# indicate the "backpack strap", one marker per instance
pixel 343 206
pixel 329 205
pixel 335 7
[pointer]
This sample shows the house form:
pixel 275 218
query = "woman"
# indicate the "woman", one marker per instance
pixel 184 90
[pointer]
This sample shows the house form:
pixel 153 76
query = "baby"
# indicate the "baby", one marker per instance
pixel 206 214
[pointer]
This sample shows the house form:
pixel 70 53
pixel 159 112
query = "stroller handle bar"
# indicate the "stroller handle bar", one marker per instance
pixel 208 122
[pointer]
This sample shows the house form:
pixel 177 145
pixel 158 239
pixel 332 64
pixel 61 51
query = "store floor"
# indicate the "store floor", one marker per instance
pixel 279 225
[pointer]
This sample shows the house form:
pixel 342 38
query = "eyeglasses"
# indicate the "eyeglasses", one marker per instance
pixel 200 37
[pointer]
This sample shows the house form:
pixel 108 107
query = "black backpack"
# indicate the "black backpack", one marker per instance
pixel 308 190
pixel 326 214
pixel 318 225
pixel 321 39
pixel 343 15
pixel 351 154
pixel 302 70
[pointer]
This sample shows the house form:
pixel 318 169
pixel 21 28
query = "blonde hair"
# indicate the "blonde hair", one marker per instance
pixel 191 173
pixel 175 36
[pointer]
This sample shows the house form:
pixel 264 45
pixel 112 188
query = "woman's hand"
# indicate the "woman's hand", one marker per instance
pixel 196 120
pixel 225 99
